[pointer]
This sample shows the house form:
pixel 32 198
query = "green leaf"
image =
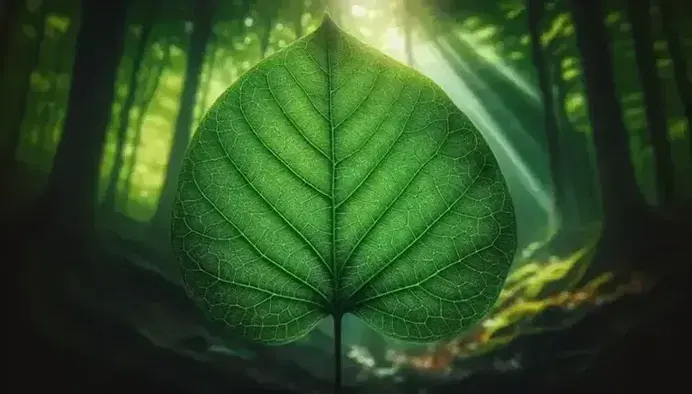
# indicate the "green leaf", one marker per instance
pixel 331 179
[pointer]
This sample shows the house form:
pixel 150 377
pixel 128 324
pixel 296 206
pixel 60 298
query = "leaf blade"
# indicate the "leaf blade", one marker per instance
pixel 365 189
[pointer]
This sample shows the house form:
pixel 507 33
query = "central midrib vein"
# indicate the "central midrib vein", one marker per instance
pixel 335 278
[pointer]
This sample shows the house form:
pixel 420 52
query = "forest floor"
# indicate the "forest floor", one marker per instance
pixel 73 339
pixel 108 356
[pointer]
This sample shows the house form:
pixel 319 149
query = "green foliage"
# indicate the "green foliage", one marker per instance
pixel 330 179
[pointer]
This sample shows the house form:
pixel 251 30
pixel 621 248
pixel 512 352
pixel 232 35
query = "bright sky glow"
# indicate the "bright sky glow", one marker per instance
pixel 358 11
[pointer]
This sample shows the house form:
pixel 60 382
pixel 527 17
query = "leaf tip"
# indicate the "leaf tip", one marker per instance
pixel 328 23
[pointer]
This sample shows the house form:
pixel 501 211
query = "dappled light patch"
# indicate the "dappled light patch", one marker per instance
pixel 531 292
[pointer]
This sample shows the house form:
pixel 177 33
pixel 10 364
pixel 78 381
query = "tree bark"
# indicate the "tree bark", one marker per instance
pixel 61 65
pixel 683 79
pixel 72 185
pixel 110 198
pixel 59 101
pixel 204 12
pixel 10 16
pixel 534 10
pixel 212 48
pixel 625 213
pixel 640 20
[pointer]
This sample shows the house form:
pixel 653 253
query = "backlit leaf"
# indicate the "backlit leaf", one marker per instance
pixel 331 179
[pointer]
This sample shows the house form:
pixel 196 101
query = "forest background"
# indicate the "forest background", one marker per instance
pixel 587 106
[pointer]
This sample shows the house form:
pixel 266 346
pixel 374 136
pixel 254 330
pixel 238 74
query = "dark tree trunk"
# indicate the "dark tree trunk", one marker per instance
pixel 683 79
pixel 204 12
pixel 18 117
pixel 625 213
pixel 640 20
pixel 535 11
pixel 61 64
pixel 212 49
pixel 56 238
pixel 10 16
pixel 72 185
pixel 110 198
pixel 622 199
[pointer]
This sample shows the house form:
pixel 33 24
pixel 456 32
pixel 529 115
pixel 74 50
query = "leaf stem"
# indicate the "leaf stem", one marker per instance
pixel 337 353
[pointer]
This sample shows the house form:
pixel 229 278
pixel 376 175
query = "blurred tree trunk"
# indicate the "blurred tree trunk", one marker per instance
pixel 298 18
pixel 625 213
pixel 204 11
pixel 269 17
pixel 212 49
pixel 70 198
pixel 640 20
pixel 15 128
pixel 61 64
pixel 152 80
pixel 51 131
pixel 10 16
pixel 110 198
pixel 535 11
pixel 683 80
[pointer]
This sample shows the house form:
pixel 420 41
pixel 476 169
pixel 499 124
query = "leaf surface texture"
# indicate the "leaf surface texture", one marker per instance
pixel 331 179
